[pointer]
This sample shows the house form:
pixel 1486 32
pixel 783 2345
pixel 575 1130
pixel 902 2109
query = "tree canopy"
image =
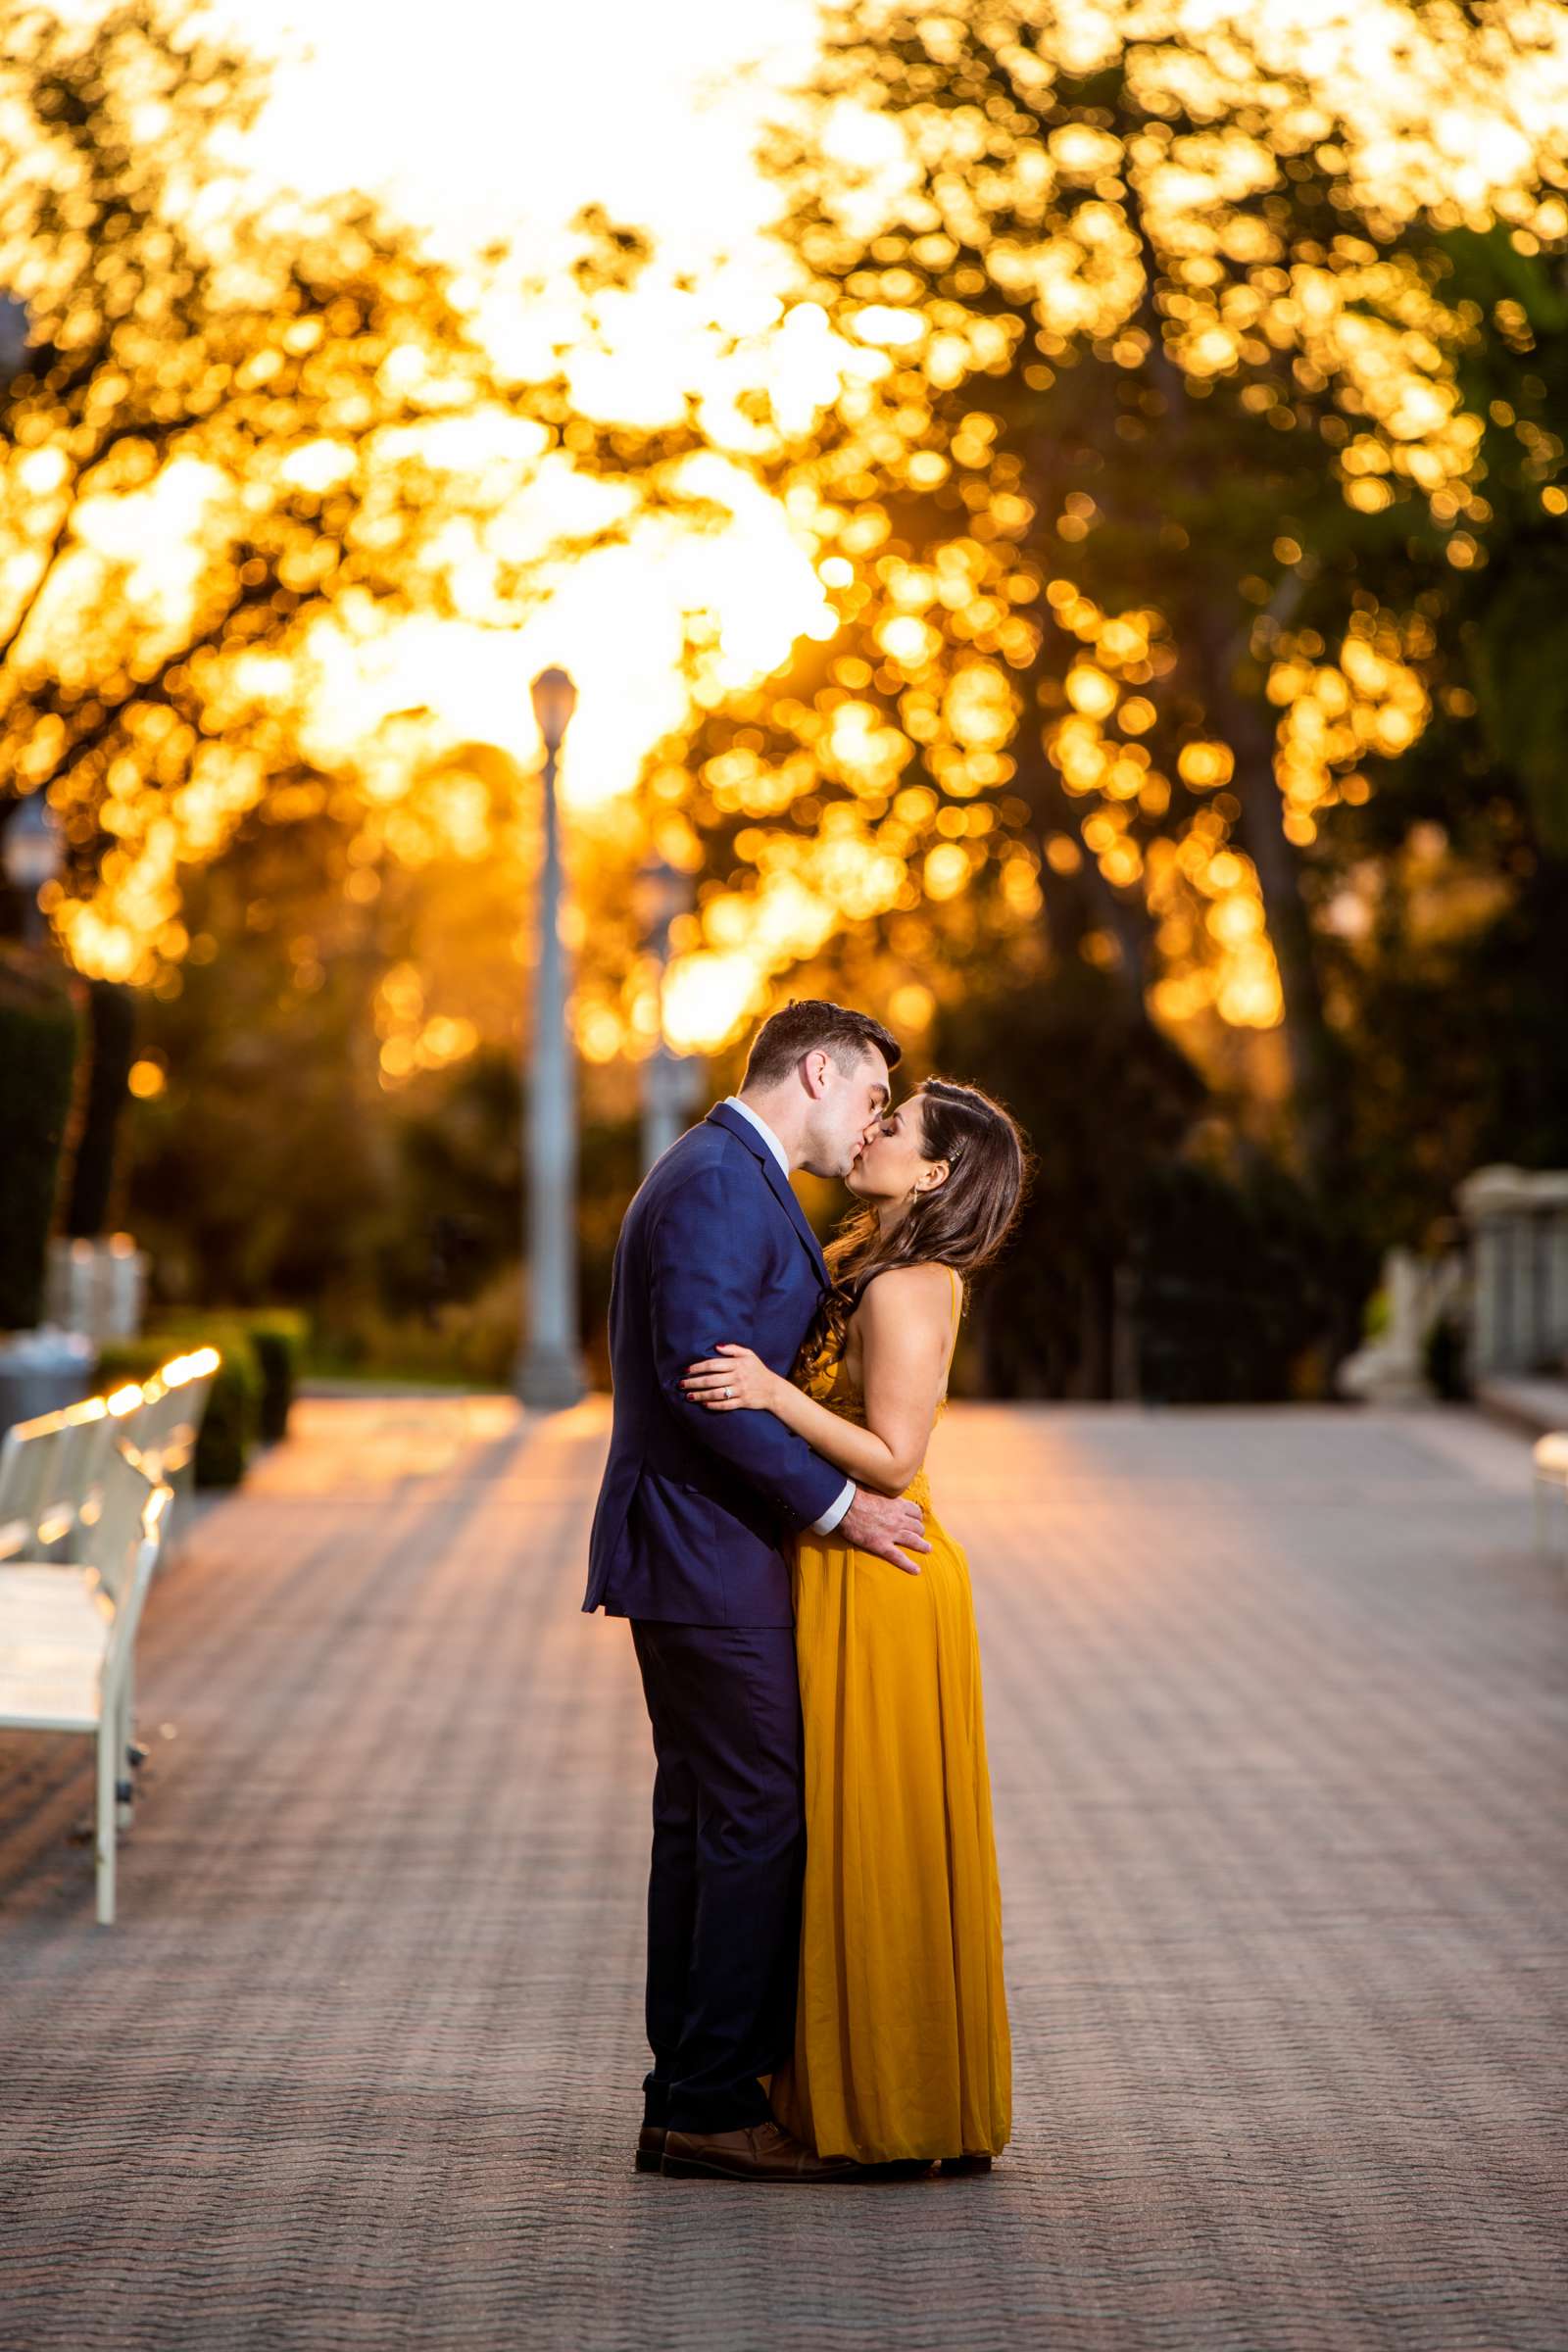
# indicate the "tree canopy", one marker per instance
pixel 1199 401
pixel 239 436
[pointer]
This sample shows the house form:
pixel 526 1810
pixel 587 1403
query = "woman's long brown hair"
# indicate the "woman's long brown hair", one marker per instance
pixel 963 1223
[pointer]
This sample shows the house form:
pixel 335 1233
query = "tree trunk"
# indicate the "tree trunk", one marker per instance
pixel 111 1030
pixel 1246 724
pixel 1082 900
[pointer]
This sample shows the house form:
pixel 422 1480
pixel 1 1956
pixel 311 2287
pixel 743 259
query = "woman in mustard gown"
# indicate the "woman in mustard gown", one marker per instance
pixel 901 2052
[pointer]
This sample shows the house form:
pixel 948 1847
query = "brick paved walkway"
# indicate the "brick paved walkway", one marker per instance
pixel 1278 1739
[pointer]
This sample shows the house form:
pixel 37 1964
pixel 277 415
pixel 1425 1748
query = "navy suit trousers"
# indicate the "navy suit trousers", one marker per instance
pixel 729 1848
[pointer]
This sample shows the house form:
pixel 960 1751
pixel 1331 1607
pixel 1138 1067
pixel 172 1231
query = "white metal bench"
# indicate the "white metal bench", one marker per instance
pixel 25 1453
pixel 67 1632
pixel 1550 1460
pixel 50 1468
pixel 169 1420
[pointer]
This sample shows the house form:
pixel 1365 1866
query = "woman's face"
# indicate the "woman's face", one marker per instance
pixel 893 1160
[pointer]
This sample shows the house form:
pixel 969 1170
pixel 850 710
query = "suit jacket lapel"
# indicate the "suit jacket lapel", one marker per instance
pixel 778 1182
pixel 797 1214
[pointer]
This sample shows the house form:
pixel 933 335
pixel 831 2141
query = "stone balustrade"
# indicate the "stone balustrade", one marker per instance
pixel 1518 1224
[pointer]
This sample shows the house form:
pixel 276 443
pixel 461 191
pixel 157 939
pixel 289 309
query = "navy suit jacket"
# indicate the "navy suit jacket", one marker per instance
pixel 694 1507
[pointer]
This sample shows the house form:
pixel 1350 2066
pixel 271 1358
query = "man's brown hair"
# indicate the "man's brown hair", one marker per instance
pixel 809 1024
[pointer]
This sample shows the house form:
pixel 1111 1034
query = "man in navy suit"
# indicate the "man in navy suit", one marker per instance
pixel 693 1514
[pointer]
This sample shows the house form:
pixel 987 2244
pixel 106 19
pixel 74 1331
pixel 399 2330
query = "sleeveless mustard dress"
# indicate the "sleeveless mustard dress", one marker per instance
pixel 901 2049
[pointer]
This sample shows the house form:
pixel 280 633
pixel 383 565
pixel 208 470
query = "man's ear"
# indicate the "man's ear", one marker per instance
pixel 813 1070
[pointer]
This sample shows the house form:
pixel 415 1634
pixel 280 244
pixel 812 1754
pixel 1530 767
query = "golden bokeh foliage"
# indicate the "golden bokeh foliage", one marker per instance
pixel 1153 476
pixel 1124 453
pixel 244 436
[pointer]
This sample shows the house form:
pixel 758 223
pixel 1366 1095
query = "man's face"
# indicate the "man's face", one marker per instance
pixel 848 1111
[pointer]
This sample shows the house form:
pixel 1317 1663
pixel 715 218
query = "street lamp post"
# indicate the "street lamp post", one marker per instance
pixel 663 894
pixel 550 1368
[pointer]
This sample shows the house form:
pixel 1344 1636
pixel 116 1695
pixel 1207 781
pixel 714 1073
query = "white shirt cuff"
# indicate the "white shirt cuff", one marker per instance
pixel 835 1511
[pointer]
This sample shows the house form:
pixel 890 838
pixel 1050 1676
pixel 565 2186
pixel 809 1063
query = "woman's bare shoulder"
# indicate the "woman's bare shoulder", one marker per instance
pixel 925 1289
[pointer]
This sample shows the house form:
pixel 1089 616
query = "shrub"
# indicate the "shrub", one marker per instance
pixel 278 1339
pixel 1445 1349
pixel 232 1419
pixel 38 1058
pixel 275 1336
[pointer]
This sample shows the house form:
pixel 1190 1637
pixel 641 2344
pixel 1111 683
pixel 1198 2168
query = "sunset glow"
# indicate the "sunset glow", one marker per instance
pixel 507 504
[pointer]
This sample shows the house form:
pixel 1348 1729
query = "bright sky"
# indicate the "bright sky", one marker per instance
pixel 489 120
pixel 483 124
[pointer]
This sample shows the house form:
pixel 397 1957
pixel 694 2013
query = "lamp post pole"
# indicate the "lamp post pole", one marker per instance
pixel 665 1078
pixel 550 1368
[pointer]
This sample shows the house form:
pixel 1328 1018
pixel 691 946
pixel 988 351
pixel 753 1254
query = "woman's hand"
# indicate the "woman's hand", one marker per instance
pixel 735 1380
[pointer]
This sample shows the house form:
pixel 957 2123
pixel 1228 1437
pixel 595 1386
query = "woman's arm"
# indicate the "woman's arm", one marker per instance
pixel 906 1323
pixel 703 1256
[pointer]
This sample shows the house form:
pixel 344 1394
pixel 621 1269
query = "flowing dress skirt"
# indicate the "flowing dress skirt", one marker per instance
pixel 902 2047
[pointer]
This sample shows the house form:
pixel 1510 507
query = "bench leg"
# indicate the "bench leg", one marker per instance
pixel 123 1729
pixel 108 1772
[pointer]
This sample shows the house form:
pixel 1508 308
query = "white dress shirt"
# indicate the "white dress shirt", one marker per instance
pixel 836 1509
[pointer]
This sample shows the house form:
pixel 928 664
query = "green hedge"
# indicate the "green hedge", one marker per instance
pixel 38 1060
pixel 275 1338
pixel 279 1339
pixel 232 1419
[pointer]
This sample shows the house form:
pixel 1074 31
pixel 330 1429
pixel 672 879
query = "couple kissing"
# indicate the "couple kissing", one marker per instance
pixel 824 1991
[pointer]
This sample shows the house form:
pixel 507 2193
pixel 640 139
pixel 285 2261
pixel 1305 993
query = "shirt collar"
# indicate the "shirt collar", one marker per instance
pixel 763 1130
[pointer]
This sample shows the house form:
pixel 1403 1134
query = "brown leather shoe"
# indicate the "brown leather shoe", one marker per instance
pixel 650 2148
pixel 756 2152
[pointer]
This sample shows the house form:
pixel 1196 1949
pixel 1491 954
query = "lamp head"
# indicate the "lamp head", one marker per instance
pixel 554 699
pixel 33 850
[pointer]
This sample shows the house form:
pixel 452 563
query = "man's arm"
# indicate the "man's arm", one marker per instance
pixel 702 1266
